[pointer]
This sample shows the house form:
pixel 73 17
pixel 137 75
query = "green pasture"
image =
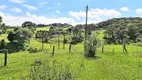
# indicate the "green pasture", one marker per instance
pixel 113 64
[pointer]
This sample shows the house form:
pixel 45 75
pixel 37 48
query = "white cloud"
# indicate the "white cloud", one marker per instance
pixel 57 11
pixel 77 15
pixel 139 11
pixel 16 9
pixel 43 3
pixel 3 6
pixel 112 13
pixel 59 4
pixel 124 9
pixel 29 7
pixel 1 14
pixel 33 16
pixel 17 1
pixel 18 20
pixel 96 14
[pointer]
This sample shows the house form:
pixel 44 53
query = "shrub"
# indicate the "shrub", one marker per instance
pixel 32 50
pixel 51 71
pixel 76 40
pixel 138 44
pixel 91 46
pixel 16 46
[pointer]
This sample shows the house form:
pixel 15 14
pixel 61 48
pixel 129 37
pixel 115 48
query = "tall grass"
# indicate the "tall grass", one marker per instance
pixel 52 71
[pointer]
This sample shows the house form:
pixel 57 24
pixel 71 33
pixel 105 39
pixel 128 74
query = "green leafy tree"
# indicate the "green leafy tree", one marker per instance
pixel 30 25
pixel 2 44
pixel 51 30
pixel 2 26
pixel 76 31
pixel 11 36
pixel 23 34
pixel 19 38
pixel 43 36
pixel 0 20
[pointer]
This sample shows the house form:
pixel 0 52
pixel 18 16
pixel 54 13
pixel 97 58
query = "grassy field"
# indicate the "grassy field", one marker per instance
pixel 43 28
pixel 113 64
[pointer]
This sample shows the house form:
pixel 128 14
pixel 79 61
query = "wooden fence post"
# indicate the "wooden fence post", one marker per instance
pixel 58 42
pixel 42 41
pixel 53 51
pixel 70 48
pixel 5 57
pixel 64 42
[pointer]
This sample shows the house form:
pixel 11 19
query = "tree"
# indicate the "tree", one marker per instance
pixel 69 30
pixel 0 20
pixel 139 38
pixel 76 31
pixel 77 36
pixel 64 39
pixel 93 27
pixel 51 30
pixel 43 36
pixel 2 44
pixel 19 37
pixel 30 25
pixel 11 36
pixel 2 26
pixel 115 34
pixel 23 34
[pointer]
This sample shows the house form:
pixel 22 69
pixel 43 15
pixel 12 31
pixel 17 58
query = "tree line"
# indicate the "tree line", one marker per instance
pixel 117 31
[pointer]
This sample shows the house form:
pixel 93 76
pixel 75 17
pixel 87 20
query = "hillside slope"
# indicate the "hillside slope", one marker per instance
pixel 129 20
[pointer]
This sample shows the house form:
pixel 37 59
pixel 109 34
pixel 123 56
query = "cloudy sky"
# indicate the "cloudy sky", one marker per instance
pixel 15 12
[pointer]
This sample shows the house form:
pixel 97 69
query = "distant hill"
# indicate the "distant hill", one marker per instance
pixel 129 20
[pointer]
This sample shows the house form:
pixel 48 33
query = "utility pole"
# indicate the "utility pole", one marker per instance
pixel 64 41
pixel 42 41
pixel 86 30
pixel 86 23
pixel 58 42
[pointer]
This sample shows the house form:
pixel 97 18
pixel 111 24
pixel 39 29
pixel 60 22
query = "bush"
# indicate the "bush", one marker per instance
pixel 91 46
pixel 16 46
pixel 20 35
pixel 76 40
pixel 32 50
pixel 138 44
pixel 51 71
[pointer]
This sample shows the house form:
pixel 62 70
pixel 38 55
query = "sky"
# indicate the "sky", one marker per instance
pixel 15 12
